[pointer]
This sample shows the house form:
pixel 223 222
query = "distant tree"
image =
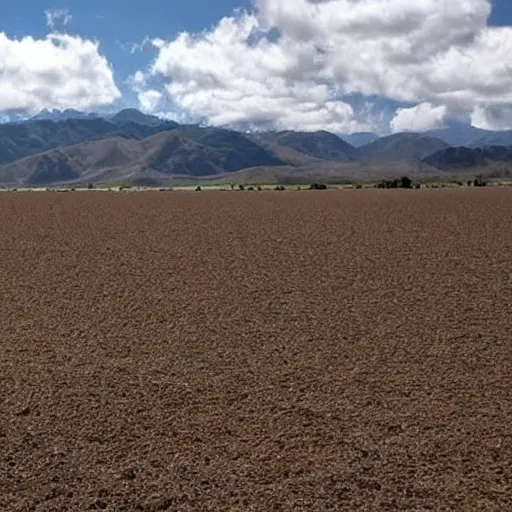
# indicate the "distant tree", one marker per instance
pixel 198 189
pixel 389 184
pixel 318 186
pixel 405 182
pixel 479 181
pixel 90 185
pixel 241 187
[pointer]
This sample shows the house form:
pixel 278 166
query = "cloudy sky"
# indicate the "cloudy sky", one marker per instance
pixel 339 65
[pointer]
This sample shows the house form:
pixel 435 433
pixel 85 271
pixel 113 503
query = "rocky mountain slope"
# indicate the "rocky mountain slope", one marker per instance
pixel 401 146
pixel 466 158
pixel 119 159
pixel 71 147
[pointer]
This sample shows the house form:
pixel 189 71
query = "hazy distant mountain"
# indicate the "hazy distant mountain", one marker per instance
pixel 132 115
pixel 488 138
pixel 73 147
pixel 62 115
pixel 460 134
pixel 463 158
pixel 401 146
pixel 456 134
pixel 317 145
pixel 360 139
pixel 32 137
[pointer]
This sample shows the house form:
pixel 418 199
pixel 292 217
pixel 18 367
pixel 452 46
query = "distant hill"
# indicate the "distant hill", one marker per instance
pixel 29 138
pixel 456 134
pixel 305 147
pixel 132 115
pixel 401 146
pixel 71 147
pixel 119 159
pixel 32 137
pixel 360 139
pixel 464 158
pixel 61 115
pixel 493 139
pixel 460 134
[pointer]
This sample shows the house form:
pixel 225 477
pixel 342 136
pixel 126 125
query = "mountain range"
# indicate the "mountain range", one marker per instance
pixel 71 147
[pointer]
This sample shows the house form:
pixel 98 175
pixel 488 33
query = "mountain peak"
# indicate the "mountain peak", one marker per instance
pixel 402 146
pixel 61 115
pixel 132 115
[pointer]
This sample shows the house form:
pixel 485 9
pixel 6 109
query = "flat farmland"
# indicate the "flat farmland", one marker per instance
pixel 256 351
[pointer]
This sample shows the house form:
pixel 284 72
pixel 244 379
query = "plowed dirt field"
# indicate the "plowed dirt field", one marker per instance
pixel 256 351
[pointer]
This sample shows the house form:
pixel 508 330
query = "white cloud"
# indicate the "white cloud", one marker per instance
pixel 56 17
pixel 318 52
pixel 59 71
pixel 134 48
pixel 138 47
pixel 149 100
pixel 422 117
pixel 498 117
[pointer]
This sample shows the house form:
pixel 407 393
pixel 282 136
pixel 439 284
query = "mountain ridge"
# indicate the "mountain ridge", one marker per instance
pixel 131 145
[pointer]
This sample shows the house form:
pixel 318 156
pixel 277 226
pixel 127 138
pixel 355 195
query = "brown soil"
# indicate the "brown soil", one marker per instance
pixel 274 351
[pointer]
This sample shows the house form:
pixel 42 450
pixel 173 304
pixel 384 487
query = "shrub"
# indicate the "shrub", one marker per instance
pixel 198 189
pixel 405 182
pixel 389 184
pixel 318 186
pixel 479 182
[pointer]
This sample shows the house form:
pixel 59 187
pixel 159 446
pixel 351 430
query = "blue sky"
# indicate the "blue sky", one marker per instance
pixel 339 65
pixel 502 13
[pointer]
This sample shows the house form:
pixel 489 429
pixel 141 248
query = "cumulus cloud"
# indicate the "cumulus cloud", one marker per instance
pixel 57 72
pixel 149 100
pixel 55 17
pixel 497 117
pixel 295 64
pixel 420 118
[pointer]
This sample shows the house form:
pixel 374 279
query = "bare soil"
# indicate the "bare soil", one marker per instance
pixel 246 351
